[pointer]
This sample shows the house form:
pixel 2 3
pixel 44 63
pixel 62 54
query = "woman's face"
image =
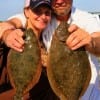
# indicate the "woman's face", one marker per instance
pixel 39 17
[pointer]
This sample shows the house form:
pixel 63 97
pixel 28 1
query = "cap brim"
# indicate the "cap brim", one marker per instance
pixel 42 2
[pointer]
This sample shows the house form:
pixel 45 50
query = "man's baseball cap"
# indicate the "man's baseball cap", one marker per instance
pixel 35 3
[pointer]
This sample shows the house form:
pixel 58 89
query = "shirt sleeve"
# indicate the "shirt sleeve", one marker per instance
pixel 86 21
pixel 21 17
pixel 93 25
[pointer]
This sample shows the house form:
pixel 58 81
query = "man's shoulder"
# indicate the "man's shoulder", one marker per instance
pixel 19 15
pixel 79 12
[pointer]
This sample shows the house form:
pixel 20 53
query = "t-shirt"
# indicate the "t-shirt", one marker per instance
pixel 89 23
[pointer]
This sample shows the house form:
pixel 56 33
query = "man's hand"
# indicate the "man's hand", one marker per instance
pixel 78 38
pixel 13 39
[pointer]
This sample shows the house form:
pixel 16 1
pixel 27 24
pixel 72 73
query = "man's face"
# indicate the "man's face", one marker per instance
pixel 62 7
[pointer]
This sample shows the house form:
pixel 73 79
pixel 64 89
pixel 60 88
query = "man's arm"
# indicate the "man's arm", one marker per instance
pixel 10 24
pixel 5 26
pixel 94 46
pixel 16 21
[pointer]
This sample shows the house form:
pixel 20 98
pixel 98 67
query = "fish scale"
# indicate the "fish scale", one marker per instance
pixel 24 69
pixel 68 71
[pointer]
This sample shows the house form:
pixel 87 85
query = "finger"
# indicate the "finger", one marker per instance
pixel 17 44
pixel 72 28
pixel 13 39
pixel 75 42
pixel 77 46
pixel 19 40
pixel 18 36
pixel 17 49
pixel 19 32
pixel 70 38
pixel 80 44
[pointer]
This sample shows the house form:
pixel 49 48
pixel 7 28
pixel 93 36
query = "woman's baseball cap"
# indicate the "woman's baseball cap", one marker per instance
pixel 35 3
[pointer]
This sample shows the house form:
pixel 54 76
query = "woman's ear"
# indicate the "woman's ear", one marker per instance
pixel 26 12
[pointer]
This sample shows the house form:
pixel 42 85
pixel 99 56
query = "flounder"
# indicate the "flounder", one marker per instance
pixel 68 71
pixel 24 69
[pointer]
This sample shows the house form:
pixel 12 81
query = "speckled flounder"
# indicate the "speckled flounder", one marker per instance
pixel 68 71
pixel 24 68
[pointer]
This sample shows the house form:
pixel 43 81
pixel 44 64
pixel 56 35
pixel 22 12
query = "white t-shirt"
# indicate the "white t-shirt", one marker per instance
pixel 85 21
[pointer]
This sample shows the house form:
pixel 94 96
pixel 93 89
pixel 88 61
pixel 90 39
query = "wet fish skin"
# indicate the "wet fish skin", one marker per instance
pixel 68 71
pixel 24 68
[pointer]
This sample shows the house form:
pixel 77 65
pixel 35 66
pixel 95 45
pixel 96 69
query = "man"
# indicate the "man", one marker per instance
pixel 85 31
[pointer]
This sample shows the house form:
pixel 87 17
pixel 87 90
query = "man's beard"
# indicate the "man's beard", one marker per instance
pixel 61 12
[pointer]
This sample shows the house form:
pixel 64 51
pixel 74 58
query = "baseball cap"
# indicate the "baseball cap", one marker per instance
pixel 35 3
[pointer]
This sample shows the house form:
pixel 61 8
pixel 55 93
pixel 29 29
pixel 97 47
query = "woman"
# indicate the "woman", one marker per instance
pixel 38 15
